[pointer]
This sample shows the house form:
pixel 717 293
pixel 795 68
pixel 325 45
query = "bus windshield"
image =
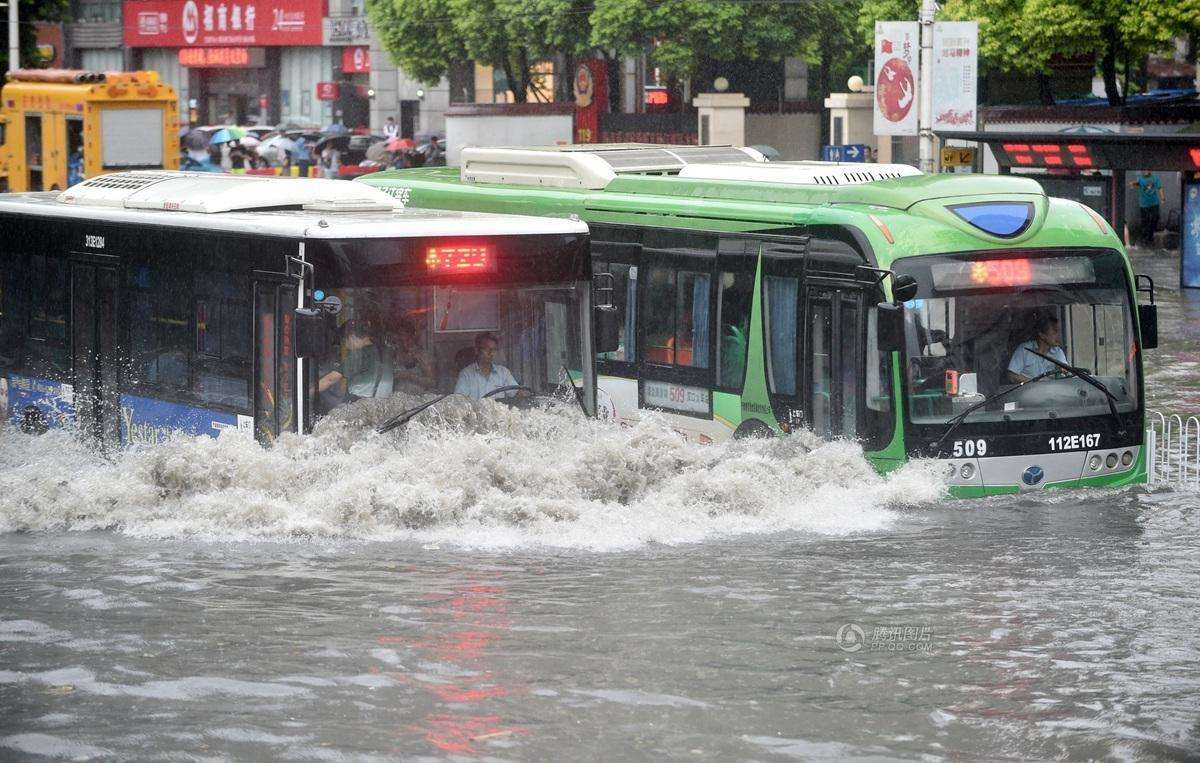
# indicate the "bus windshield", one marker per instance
pixel 471 340
pixel 981 326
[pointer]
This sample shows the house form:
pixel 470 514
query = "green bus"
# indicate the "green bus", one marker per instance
pixel 970 319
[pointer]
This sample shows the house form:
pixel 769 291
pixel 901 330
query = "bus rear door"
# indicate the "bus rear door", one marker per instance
pixel 277 407
pixel 93 362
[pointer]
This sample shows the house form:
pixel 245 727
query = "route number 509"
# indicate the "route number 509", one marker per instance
pixel 970 448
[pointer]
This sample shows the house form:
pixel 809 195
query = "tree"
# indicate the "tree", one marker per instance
pixel 677 34
pixel 29 11
pixel 1026 35
pixel 426 36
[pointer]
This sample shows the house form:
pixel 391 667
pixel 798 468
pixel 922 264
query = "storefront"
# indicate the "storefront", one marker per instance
pixel 237 61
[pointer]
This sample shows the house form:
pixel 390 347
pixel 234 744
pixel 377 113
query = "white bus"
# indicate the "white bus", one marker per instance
pixel 138 304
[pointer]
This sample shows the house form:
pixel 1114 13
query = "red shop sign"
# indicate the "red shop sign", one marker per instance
pixel 327 91
pixel 356 60
pixel 221 23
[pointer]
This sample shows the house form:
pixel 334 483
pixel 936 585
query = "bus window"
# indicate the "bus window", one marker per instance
pixel 47 346
pixel 222 357
pixel 74 150
pixel 160 326
pixel 678 306
pixel 12 311
pixel 733 311
pixel 624 298
pixel 33 151
pixel 781 297
pixel 821 344
pixel 848 346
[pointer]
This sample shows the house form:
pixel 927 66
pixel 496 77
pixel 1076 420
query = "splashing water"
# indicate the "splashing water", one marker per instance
pixel 471 474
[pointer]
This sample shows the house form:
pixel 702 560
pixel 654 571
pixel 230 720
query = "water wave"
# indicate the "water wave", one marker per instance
pixel 463 473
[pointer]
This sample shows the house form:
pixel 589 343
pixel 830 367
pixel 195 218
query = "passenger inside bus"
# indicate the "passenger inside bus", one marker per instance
pixel 1047 340
pixel 362 370
pixel 412 368
pixel 485 375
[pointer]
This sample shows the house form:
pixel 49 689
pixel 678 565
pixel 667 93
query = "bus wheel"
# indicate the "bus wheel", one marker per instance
pixel 752 428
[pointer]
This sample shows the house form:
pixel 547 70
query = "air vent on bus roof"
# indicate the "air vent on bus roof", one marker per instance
pixel 209 193
pixel 799 173
pixel 589 166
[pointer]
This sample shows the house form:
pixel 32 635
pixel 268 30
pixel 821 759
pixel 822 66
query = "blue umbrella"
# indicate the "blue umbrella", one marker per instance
pixel 226 135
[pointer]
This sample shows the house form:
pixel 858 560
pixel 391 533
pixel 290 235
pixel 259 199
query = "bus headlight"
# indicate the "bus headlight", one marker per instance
pixel 1127 458
pixel 967 471
pixel 1094 463
pixel 1111 461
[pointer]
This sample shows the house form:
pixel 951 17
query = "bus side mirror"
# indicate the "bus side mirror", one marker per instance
pixel 1148 320
pixel 890 327
pixel 311 333
pixel 607 329
pixel 904 288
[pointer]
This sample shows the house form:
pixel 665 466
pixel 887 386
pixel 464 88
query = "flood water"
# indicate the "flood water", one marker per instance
pixel 531 586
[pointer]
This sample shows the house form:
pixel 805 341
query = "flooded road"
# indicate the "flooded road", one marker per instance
pixel 554 590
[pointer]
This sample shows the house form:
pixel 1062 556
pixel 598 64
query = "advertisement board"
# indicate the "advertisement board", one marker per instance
pixel 356 60
pixel 222 23
pixel 897 50
pixel 1189 235
pixel 955 75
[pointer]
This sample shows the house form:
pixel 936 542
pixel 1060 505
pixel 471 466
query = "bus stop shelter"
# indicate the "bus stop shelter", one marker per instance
pixel 1081 157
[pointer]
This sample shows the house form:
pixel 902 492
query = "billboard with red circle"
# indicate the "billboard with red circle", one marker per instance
pixel 897 47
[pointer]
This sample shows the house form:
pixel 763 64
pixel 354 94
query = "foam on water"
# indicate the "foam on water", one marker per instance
pixel 464 473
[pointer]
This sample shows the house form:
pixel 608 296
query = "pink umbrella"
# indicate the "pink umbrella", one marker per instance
pixel 396 144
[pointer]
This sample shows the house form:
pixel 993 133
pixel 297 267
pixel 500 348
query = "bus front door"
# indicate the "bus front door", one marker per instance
pixel 93 365
pixel 276 404
pixel 835 373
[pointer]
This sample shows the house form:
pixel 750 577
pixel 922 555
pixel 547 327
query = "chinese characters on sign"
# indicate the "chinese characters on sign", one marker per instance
pixel 222 58
pixel 955 61
pixel 897 47
pixel 208 23
pixel 327 91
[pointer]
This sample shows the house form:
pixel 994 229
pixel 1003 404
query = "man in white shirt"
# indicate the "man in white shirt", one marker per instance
pixel 1025 365
pixel 485 375
pixel 391 129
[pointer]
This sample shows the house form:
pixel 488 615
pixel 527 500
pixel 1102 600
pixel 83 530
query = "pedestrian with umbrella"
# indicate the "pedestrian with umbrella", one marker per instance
pixel 330 149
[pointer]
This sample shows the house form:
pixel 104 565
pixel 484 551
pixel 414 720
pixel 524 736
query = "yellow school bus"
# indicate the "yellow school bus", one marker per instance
pixel 60 126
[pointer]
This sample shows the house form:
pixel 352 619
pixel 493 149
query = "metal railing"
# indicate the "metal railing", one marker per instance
pixel 1172 450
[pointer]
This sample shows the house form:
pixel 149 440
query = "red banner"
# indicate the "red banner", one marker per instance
pixel 327 91
pixel 356 60
pixel 591 98
pixel 222 23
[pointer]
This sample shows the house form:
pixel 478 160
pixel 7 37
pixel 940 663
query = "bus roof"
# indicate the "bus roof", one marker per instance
pixel 269 206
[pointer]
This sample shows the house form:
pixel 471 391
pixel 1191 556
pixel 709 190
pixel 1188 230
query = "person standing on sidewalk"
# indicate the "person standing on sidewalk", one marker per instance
pixel 1150 199
pixel 391 129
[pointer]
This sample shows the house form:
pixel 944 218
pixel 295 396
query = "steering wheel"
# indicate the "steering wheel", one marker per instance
pixel 518 402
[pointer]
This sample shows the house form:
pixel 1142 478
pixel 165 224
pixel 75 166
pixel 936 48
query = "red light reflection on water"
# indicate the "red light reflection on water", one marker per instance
pixel 478 617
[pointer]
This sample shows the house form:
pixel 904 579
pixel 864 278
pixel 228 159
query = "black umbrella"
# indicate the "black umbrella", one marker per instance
pixel 337 142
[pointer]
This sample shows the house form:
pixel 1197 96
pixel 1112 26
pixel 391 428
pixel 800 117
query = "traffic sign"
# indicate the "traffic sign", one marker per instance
pixel 853 152
pixel 957 156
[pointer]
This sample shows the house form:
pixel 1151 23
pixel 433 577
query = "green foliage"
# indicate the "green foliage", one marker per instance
pixel 678 33
pixel 426 36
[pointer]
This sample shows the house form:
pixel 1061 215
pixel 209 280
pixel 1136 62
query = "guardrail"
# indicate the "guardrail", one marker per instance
pixel 1172 450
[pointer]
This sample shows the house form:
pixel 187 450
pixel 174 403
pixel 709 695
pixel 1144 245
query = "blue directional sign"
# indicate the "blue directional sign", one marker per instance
pixel 852 152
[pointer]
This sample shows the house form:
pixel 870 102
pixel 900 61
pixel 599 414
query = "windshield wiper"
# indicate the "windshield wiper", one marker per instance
pixel 953 423
pixel 1110 398
pixel 577 390
pixel 403 417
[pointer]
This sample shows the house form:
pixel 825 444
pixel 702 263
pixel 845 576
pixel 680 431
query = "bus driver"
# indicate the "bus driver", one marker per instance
pixel 485 375
pixel 1047 337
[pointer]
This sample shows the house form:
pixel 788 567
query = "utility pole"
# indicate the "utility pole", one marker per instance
pixel 925 114
pixel 14 37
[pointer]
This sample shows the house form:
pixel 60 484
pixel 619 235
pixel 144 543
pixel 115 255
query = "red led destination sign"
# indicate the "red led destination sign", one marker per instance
pixel 1083 152
pixel 468 258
